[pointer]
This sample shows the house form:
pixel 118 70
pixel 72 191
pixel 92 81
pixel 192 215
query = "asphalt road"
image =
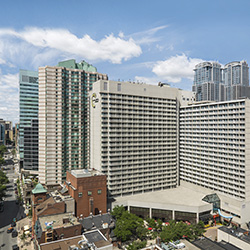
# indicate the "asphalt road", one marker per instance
pixel 11 210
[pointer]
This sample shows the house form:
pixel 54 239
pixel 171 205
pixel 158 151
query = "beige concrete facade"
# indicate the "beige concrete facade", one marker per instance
pixel 62 126
pixel 134 135
pixel 215 153
pixel 180 199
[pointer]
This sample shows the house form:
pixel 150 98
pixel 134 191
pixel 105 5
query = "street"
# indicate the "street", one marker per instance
pixel 11 210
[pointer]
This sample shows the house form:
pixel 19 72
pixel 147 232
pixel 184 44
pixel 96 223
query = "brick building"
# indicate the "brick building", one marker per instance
pixel 44 204
pixel 57 226
pixel 88 188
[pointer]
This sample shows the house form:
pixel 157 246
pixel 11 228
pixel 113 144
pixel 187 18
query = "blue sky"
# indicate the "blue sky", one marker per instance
pixel 148 41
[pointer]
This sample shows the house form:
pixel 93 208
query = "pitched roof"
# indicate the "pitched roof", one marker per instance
pixel 39 189
pixel 41 207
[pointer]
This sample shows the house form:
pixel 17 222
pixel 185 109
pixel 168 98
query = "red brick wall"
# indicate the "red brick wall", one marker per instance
pixel 67 232
pixel 85 184
pixel 57 208
pixel 36 199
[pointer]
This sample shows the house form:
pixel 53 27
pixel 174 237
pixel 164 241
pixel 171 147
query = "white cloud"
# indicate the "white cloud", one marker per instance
pixel 110 48
pixel 175 68
pixel 2 61
pixel 9 98
pixel 9 80
pixel 147 36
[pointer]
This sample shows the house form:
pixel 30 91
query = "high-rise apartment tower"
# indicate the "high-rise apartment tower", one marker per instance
pixel 236 80
pixel 208 81
pixel 63 115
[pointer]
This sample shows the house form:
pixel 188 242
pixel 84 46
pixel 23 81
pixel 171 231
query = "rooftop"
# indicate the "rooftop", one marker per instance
pixel 97 221
pixel 97 238
pixel 175 197
pixel 207 244
pixel 80 173
pixel 39 189
pixel 238 233
pixel 57 220
pixel 63 244
pixel 58 197
pixel 94 237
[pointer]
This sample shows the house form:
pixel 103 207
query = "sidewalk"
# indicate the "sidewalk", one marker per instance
pixel 27 243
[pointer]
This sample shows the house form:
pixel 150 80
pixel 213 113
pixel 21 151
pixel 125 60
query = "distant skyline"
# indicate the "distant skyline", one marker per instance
pixel 148 41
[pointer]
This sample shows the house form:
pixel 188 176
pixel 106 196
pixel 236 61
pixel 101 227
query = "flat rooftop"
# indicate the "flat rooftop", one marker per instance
pixel 174 198
pixel 207 244
pixel 58 220
pixel 80 173
pixel 63 244
pixel 239 233
pixel 58 197
pixel 97 238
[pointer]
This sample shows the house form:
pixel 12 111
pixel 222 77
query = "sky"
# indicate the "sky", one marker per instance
pixel 139 40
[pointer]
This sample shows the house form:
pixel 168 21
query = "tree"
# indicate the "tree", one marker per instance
pixel 3 149
pixel 198 229
pixel 128 226
pixel 3 180
pixel 137 245
pixel 2 161
pixel 118 211
pixel 13 152
pixel 175 231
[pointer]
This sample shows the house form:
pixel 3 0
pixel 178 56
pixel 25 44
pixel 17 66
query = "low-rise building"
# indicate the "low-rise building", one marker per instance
pixel 237 237
pixel 88 188
pixel 52 203
pixel 180 204
pixel 56 226
pixel 90 240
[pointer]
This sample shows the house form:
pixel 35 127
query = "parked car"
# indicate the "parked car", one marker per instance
pixel 15 247
pixel 14 233
pixel 10 229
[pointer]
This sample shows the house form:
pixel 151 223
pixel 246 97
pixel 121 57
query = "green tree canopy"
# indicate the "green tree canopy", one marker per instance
pixel 128 226
pixel 178 230
pixel 3 180
pixel 3 149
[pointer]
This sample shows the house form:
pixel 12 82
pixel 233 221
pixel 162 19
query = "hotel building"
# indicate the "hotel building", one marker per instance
pixel 215 153
pixel 134 135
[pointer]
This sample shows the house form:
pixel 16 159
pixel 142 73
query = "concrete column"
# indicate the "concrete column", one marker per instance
pixel 197 218
pixel 128 208
pixel 150 213
pixel 173 215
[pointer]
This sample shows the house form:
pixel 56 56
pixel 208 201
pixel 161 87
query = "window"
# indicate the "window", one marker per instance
pixel 99 191
pixel 80 194
pixel 119 87
pixel 105 86
pixel 89 192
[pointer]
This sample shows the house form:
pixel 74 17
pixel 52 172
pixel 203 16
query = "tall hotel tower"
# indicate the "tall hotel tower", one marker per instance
pixel 134 135
pixel 63 112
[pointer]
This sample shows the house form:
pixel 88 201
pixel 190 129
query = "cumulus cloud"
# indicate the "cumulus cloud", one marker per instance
pixel 110 48
pixel 175 68
pixel 9 105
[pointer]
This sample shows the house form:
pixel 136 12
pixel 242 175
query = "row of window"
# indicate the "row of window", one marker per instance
pixel 80 194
